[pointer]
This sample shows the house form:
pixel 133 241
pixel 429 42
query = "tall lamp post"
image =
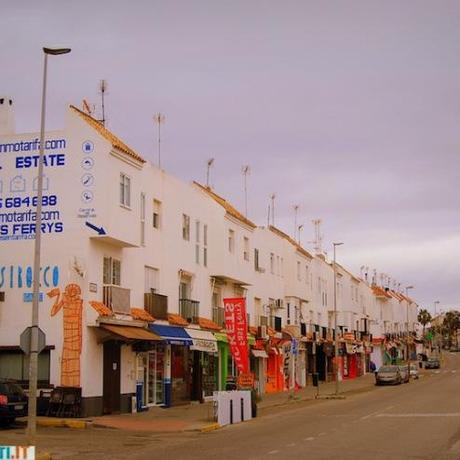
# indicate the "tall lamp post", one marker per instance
pixel 407 324
pixel 336 335
pixel 436 303
pixel 33 356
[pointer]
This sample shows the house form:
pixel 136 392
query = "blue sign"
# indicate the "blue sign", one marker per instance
pixel 29 296
pixel 295 346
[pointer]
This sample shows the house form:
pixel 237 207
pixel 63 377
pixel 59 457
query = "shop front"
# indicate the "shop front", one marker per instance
pixel 203 364
pixel 275 374
pixel 259 359
pixel 176 353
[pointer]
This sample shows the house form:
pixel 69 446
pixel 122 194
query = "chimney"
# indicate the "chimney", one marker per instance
pixel 7 126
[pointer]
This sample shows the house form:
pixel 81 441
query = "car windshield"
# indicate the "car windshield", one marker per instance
pixel 432 360
pixel 9 388
pixel 388 369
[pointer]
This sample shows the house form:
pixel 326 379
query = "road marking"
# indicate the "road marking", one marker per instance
pixel 273 452
pixel 322 434
pixel 309 439
pixel 451 414
pixel 292 444
pixel 372 414
pixel 453 372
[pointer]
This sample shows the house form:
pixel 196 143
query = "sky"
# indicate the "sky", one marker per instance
pixel 348 109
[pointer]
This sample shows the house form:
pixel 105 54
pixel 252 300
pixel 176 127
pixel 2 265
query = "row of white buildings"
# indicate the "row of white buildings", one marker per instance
pixel 135 267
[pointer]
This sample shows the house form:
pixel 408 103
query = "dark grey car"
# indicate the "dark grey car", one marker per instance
pixel 388 375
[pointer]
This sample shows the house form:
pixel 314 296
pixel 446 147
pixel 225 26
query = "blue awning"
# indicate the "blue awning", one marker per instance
pixel 172 334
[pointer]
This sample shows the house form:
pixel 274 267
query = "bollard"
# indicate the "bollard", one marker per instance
pixel 242 409
pixel 231 412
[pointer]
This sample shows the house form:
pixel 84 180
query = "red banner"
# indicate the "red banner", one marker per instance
pixel 237 332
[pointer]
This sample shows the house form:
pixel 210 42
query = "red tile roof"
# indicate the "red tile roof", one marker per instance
pixel 177 320
pixel 102 309
pixel 142 315
pixel 205 323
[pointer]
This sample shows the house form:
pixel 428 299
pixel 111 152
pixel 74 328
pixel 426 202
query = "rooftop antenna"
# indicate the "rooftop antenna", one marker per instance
pixel 102 91
pixel 268 215
pixel 361 271
pixel 296 209
pixel 159 119
pixel 318 241
pixel 366 274
pixel 299 229
pixel 272 200
pixel 209 163
pixel 87 107
pixel 245 170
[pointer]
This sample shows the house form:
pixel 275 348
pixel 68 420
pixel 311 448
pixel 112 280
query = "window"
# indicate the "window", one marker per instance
pixel 231 241
pixel 125 190
pixel 185 227
pixel 282 267
pixel 288 313
pixel 272 263
pixel 14 364
pixel 142 212
pixel 151 279
pixel 298 272
pixel 205 245
pixel 246 249
pixel 306 274
pixel 278 265
pixel 256 260
pixel 112 271
pixel 197 239
pixel 156 214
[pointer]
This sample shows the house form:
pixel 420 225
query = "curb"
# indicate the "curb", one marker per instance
pixel 43 456
pixel 330 397
pixel 211 427
pixel 76 424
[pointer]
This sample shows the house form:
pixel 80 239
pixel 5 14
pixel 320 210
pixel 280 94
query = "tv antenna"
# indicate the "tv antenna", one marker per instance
pixel 88 108
pixel 272 201
pixel 299 229
pixel 296 210
pixel 318 241
pixel 159 119
pixel 102 91
pixel 245 170
pixel 209 163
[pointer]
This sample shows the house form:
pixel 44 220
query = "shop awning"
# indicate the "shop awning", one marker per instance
pixel 130 332
pixel 171 334
pixel 202 340
pixel 222 337
pixel 259 353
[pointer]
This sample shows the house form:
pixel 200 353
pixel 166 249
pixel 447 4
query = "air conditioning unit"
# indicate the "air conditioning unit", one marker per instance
pixel 262 332
pixel 279 303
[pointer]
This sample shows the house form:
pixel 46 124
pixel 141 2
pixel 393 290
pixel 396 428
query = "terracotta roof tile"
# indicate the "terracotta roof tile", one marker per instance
pixel 106 134
pixel 253 330
pixel 102 309
pixel 226 205
pixel 141 314
pixel 299 248
pixel 380 292
pixel 177 320
pixel 208 324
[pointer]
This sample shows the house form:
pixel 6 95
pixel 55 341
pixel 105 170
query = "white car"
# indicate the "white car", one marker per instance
pixel 414 371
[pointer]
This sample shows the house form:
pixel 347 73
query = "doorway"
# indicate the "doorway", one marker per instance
pixel 111 378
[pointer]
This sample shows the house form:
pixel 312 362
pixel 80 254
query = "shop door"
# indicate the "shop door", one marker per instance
pixel 156 375
pixel 111 378
pixel 197 376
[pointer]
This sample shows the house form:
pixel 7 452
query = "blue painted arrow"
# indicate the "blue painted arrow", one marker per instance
pixel 99 230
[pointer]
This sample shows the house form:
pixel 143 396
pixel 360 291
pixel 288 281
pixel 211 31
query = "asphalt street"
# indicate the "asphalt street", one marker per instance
pixel 419 420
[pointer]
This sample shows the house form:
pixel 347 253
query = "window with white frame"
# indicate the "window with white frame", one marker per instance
pixel 197 241
pixel 282 267
pixel 156 221
pixel 111 271
pixel 256 260
pixel 278 265
pixel 142 214
pixel 246 248
pixel 186 227
pixel 125 190
pixel 272 263
pixel 231 241
pixel 299 275
pixel 307 276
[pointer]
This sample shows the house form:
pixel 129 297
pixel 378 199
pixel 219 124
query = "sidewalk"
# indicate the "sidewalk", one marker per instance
pixel 199 417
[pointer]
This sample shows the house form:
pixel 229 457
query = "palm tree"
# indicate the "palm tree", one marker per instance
pixel 424 317
pixel 452 324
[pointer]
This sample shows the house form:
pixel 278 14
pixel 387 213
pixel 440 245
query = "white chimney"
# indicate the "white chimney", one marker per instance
pixel 7 125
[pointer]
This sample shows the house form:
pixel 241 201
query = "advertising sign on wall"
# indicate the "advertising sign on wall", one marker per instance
pixel 237 332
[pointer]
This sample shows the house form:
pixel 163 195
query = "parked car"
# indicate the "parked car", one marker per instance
pixel 404 370
pixel 432 363
pixel 13 401
pixel 414 371
pixel 388 375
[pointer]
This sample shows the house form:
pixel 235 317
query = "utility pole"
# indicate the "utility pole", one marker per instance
pixel 407 338
pixel 336 338
pixel 272 200
pixel 103 89
pixel 296 209
pixel 159 119
pixel 299 229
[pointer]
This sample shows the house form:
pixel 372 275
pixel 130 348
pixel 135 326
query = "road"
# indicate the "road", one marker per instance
pixel 419 420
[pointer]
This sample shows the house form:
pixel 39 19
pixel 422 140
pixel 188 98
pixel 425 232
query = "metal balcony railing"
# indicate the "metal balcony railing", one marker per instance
pixel 156 305
pixel 218 316
pixel 189 309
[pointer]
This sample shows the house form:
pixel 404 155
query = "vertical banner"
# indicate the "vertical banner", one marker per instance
pixel 237 332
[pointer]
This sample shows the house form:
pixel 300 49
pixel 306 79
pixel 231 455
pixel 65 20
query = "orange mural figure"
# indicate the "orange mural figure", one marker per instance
pixel 72 307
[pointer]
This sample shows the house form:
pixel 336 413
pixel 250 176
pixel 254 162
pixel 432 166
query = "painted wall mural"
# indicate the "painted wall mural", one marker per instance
pixel 71 304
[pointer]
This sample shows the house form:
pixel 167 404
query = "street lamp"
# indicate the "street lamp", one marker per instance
pixel 407 325
pixel 33 356
pixel 436 303
pixel 336 338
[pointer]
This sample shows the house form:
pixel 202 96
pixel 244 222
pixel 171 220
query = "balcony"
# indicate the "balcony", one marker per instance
pixel 189 309
pixel 263 320
pixel 118 299
pixel 156 305
pixel 218 316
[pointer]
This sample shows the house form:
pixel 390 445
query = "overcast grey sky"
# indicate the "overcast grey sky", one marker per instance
pixel 348 108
